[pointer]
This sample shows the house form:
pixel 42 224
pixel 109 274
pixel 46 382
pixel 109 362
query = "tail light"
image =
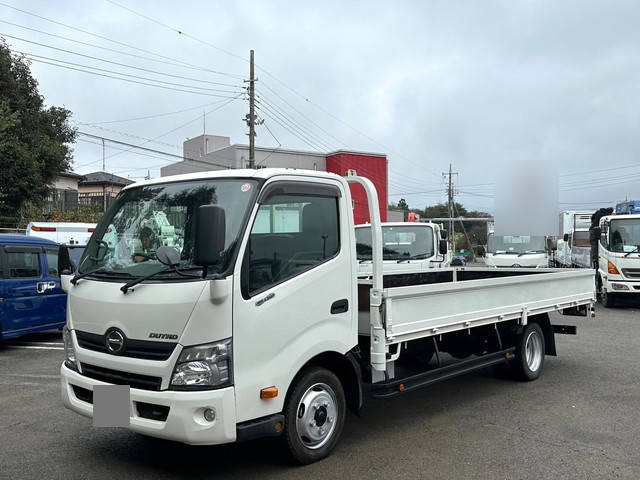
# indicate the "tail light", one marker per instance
pixel 43 229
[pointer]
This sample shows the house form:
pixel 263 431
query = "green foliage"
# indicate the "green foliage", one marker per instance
pixel 34 140
pixel 30 212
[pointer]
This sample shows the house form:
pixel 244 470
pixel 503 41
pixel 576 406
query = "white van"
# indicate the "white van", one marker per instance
pixel 66 233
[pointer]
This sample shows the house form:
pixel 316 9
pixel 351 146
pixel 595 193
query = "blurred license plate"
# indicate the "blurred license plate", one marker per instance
pixel 111 405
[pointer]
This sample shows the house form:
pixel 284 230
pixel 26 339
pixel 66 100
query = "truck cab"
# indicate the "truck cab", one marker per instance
pixel 527 251
pixel 407 247
pixel 618 257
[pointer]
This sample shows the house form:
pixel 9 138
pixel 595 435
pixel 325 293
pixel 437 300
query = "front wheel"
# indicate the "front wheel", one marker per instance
pixel 314 415
pixel 529 353
pixel 607 298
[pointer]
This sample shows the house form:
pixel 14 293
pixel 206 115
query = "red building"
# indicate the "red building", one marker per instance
pixel 370 165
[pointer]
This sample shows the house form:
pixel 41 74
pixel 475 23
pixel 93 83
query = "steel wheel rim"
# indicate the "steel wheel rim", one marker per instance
pixel 317 415
pixel 533 351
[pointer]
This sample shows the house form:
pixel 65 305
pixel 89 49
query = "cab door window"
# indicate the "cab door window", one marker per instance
pixel 291 234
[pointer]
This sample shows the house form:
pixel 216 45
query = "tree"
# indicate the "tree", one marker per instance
pixel 34 140
pixel 402 204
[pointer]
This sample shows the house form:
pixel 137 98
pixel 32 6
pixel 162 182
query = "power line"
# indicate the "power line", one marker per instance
pixel 186 64
pixel 114 51
pixel 146 149
pixel 158 115
pixel 92 57
pixel 128 80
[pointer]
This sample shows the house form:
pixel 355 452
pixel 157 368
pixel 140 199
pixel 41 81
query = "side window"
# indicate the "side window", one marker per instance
pixel 23 264
pixel 52 263
pixel 291 234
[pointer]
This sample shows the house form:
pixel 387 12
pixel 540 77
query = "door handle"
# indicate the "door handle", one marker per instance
pixel 42 287
pixel 340 306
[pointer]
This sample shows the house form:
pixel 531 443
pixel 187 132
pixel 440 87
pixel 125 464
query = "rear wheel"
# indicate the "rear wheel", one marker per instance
pixel 530 348
pixel 314 415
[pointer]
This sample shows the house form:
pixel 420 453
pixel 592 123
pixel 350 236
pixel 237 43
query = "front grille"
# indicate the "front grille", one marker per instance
pixel 117 377
pixel 133 348
pixel 631 272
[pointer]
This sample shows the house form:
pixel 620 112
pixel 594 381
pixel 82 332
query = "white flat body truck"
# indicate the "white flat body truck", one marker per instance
pixel 259 326
pixel 407 247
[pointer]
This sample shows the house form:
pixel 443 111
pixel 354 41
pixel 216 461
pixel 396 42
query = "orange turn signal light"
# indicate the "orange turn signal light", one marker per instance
pixel 612 269
pixel 269 392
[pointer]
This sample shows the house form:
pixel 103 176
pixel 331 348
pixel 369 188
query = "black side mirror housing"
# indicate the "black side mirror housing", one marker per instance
pixel 565 237
pixel 443 234
pixel 65 267
pixel 210 232
pixel 443 247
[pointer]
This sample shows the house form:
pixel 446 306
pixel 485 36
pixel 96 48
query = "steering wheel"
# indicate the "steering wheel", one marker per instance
pixel 297 260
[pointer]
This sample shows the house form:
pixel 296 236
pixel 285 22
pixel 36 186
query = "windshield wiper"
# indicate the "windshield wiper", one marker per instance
pixel 98 271
pixel 632 251
pixel 420 256
pixel 132 283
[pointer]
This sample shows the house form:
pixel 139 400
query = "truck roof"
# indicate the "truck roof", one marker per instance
pixel 11 239
pixel 622 216
pixel 262 173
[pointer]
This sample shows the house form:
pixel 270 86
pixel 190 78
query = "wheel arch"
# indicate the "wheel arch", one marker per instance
pixel 345 367
pixel 547 330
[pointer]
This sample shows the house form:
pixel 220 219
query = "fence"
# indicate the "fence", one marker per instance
pixel 70 200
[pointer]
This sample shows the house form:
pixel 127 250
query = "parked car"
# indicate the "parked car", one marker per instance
pixel 31 299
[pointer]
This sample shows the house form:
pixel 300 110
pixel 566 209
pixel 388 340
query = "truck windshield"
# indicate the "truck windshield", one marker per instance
pixel 515 243
pixel 145 218
pixel 400 243
pixel 625 235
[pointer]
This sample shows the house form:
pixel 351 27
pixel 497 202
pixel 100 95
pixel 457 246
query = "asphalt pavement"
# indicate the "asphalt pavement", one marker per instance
pixel 579 420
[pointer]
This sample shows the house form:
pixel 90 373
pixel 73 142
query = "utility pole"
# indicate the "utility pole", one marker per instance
pixel 451 207
pixel 251 120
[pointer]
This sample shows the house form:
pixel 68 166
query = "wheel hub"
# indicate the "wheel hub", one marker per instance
pixel 533 351
pixel 317 415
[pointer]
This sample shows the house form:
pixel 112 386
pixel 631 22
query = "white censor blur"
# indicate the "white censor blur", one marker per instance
pixel 527 199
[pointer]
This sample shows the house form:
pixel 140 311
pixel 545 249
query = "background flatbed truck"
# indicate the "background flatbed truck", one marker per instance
pixel 283 349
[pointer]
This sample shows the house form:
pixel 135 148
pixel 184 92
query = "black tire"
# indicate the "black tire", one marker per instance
pixel 321 388
pixel 607 299
pixel 529 367
pixel 418 352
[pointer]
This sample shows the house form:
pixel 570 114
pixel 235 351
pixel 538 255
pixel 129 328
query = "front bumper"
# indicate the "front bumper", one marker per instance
pixel 631 287
pixel 185 421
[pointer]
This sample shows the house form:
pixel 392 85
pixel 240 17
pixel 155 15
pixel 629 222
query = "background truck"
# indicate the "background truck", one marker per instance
pixel 574 245
pixel 259 326
pixel 407 247
pixel 528 251
pixel 616 251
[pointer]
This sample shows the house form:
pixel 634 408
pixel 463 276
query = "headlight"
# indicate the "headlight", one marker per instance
pixel 204 366
pixel 619 286
pixel 69 351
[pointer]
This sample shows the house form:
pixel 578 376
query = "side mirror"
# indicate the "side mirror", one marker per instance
pixel 443 247
pixel 443 234
pixel 65 267
pixel 481 251
pixel 210 231
pixel 565 237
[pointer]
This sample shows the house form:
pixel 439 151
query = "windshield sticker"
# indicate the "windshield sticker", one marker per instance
pixel 245 187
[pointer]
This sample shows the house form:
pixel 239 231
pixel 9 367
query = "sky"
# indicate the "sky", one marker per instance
pixel 483 86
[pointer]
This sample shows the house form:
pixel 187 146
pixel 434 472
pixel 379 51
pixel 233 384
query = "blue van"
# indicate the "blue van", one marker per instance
pixel 31 299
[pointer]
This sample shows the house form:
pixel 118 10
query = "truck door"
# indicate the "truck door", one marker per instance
pixel 297 284
pixel 55 297
pixel 24 307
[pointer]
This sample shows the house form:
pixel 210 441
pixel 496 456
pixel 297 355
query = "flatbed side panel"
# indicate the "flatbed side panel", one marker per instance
pixel 422 311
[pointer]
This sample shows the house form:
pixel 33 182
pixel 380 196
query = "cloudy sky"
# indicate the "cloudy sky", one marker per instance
pixel 480 85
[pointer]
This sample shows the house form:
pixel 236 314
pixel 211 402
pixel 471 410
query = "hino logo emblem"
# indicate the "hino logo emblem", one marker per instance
pixel 114 340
